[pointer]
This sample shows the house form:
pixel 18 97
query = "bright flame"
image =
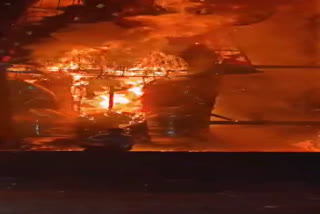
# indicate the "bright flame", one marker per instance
pixel 137 90
pixel 77 77
pixel 119 99
pixel 87 64
pixel 53 68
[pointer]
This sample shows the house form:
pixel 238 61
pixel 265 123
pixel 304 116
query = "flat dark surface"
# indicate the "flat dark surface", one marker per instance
pixel 140 182
pixel 163 166
pixel 79 182
pixel 90 202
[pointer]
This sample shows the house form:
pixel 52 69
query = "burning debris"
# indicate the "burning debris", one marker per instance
pixel 99 83
pixel 115 61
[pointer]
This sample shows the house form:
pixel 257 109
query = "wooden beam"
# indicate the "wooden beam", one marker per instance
pixel 111 97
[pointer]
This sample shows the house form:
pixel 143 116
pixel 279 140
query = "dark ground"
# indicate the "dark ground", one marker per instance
pixel 80 182
pixel 83 202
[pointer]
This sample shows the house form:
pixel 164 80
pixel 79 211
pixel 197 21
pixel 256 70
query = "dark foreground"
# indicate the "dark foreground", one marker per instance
pixel 85 202
pixel 79 182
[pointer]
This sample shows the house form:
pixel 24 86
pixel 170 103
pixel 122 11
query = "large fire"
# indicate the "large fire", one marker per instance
pixel 100 83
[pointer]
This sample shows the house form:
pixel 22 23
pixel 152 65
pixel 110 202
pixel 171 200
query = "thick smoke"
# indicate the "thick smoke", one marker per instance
pixel 151 33
pixel 290 36
pixel 127 43
pixel 287 38
pixel 292 31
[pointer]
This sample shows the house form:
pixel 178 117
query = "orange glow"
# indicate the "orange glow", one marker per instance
pixel 55 3
pixel 46 8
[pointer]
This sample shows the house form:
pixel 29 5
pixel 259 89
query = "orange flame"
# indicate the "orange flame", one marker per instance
pixel 85 64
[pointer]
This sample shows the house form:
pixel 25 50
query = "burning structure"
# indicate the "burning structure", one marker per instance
pixel 140 62
pixel 142 92
pixel 122 63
